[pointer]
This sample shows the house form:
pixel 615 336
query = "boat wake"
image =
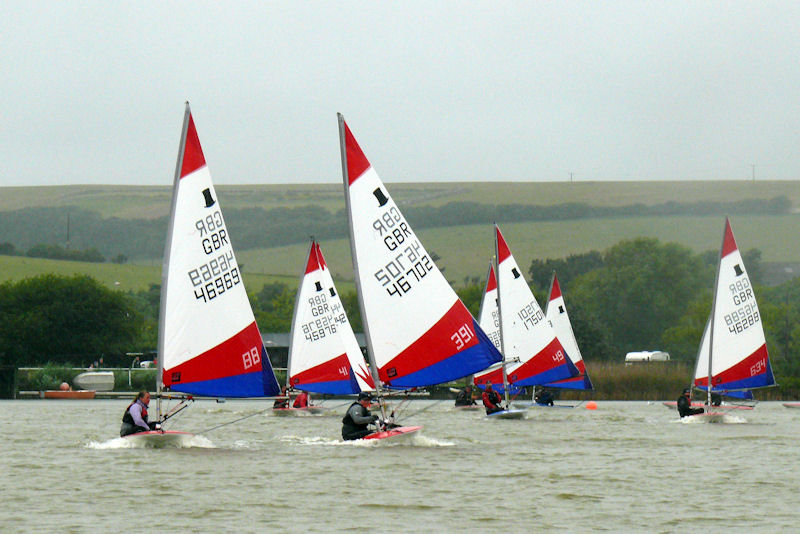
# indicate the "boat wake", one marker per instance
pixel 120 443
pixel 418 440
pixel 727 418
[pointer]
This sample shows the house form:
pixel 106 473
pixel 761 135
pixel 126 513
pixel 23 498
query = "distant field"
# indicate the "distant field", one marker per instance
pixel 154 201
pixel 128 277
pixel 465 250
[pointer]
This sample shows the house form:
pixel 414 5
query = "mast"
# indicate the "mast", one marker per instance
pixel 714 313
pixel 373 367
pixel 500 313
pixel 165 262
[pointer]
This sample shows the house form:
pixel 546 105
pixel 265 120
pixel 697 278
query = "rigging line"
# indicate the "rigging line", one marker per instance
pixel 234 421
pixel 426 408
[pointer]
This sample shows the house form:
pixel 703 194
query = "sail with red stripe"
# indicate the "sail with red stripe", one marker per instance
pixel 209 343
pixel 556 314
pixel 534 354
pixel 324 356
pixel 733 341
pixel 419 333
pixel 489 320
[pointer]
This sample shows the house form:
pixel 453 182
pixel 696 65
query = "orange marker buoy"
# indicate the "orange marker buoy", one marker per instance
pixel 591 405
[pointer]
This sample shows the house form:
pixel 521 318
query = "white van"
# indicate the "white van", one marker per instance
pixel 646 356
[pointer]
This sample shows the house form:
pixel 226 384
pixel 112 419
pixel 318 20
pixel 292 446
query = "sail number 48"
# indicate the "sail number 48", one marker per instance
pixel 462 336
pixel 251 358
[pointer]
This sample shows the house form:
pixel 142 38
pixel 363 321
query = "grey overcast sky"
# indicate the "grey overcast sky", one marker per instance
pixel 93 92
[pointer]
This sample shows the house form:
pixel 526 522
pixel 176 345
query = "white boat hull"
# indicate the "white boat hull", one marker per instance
pixel 508 414
pixel 96 380
pixel 293 412
pixel 156 439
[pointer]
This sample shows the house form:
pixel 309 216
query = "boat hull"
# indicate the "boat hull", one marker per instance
pixel 508 414
pixel 708 417
pixel 74 395
pixel 96 380
pixel 528 405
pixel 471 408
pixel 673 405
pixel 156 439
pixel 394 435
pixel 792 404
pixel 290 412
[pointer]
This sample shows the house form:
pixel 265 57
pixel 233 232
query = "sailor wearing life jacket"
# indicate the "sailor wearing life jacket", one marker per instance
pixel 491 400
pixel 135 418
pixel 355 421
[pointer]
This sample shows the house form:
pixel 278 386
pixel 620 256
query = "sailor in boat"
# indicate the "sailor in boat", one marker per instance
pixel 301 401
pixel 544 397
pixel 357 418
pixel 282 401
pixel 464 397
pixel 491 400
pixel 135 418
pixel 685 404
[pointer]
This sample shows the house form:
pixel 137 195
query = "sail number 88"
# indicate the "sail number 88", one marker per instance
pixel 251 358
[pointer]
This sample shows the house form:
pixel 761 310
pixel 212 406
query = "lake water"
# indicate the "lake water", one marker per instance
pixel 625 467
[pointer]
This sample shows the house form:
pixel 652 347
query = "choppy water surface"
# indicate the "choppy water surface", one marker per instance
pixel 627 466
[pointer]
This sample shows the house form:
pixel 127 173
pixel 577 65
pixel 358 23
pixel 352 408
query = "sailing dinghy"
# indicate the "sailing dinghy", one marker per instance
pixel 208 341
pixel 418 331
pixel 324 356
pixel 556 314
pixel 733 351
pixel 531 350
pixel 489 320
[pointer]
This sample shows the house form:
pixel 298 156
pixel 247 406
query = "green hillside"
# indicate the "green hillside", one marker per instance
pixel 128 277
pixel 129 202
pixel 465 251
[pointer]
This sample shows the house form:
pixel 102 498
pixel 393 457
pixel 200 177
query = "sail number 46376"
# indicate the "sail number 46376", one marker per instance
pixel 463 335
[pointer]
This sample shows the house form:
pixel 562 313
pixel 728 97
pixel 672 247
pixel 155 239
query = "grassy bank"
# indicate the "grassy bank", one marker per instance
pixel 654 381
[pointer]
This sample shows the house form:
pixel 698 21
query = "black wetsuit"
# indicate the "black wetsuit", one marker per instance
pixel 355 421
pixel 545 398
pixel 464 398
pixel 685 407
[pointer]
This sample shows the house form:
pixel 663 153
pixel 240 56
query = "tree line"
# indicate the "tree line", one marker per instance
pixel 118 238
pixel 639 294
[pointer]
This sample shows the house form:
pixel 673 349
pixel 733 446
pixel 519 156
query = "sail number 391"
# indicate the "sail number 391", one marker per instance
pixel 463 335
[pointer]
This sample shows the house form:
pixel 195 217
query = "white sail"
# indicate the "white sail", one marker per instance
pixel 324 356
pixel 556 314
pixel 527 338
pixel 209 343
pixel 734 341
pixel 418 331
